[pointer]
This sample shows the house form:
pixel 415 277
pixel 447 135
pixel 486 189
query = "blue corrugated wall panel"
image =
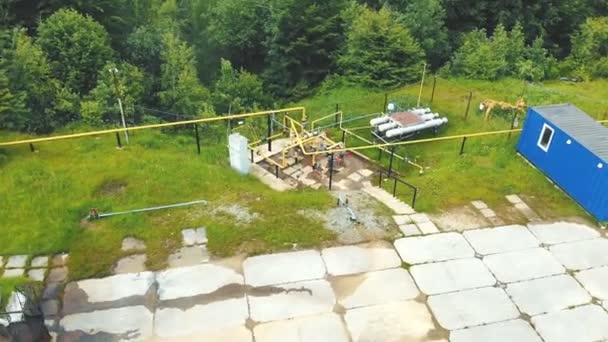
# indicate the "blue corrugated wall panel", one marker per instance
pixel 571 166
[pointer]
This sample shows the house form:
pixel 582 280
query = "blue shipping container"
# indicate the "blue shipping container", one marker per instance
pixel 571 148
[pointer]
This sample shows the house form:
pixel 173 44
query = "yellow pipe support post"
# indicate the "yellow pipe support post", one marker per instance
pixel 137 128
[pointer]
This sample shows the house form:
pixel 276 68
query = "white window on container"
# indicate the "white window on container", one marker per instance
pixel 545 138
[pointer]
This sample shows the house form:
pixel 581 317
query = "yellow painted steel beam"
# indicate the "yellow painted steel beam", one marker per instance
pixel 137 128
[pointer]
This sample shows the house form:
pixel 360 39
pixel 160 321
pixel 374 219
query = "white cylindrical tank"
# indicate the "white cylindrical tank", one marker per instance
pixel 411 129
pixel 378 121
pixel 420 111
pixel 387 126
pixel 429 116
pixel 239 156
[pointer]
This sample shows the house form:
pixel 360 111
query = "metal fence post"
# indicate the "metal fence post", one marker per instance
pixel 385 103
pixel 118 140
pixel 433 92
pixel 464 140
pixel 331 170
pixel 32 149
pixel 269 133
pixel 466 112
pixel 198 139
pixel 390 163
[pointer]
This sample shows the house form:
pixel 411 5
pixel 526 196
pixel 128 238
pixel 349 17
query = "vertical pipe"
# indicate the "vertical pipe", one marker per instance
pixel 466 112
pixel 433 92
pixel 32 149
pixel 464 140
pixel 198 139
pixel 395 188
pixel 390 163
pixel 385 103
pixel 331 170
pixel 343 137
pixel 252 155
pixel 380 180
pixel 118 140
pixel 337 110
pixel 269 133
pixel 276 171
pixel 414 199
pixel 379 153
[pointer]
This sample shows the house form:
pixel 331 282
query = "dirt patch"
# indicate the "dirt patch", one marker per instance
pixel 240 214
pixel 366 222
pixel 459 219
pixel 110 187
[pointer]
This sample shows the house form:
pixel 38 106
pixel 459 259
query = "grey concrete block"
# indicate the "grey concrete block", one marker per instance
pixel 36 274
pixel 428 228
pixel 513 199
pixel 560 232
pixel 501 239
pixel 130 320
pixel 410 230
pixel 595 281
pixel 433 248
pixel 454 275
pixel 582 255
pixel 362 258
pixel 40 262
pixel 195 280
pixel 13 273
pixel 321 328
pixel 479 205
pixel 584 323
pixel 508 331
pixel 283 268
pixel 17 261
pixel 552 294
pixel 523 265
pixel 402 219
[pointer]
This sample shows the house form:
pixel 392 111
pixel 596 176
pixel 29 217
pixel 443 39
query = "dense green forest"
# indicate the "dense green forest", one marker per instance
pixel 64 61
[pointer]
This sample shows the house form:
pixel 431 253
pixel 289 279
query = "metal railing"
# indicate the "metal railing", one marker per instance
pixel 396 180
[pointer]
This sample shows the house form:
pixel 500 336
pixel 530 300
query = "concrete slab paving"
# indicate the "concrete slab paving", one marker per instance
pixel 17 261
pixel 450 276
pixel 235 334
pixel 560 232
pixel 362 258
pixel 487 213
pixel 283 268
pixel 595 281
pixel 131 264
pixel 132 244
pixel 195 280
pixel 501 239
pixel 111 288
pixel 410 230
pixel 189 256
pixel 513 199
pixel 582 255
pixel 60 260
pixel 355 177
pixel 58 275
pixel 535 297
pixel 374 288
pixel 583 323
pixel 286 301
pixel 420 218
pixel 132 323
pixel 320 328
pixel 479 205
pixel 401 321
pixel 433 248
pixel 13 273
pixel 458 310
pixel 428 228
pixel 508 331
pixel 366 172
pixel 36 274
pixel 402 219
pixel 212 317
pixel 39 262
pixel 523 265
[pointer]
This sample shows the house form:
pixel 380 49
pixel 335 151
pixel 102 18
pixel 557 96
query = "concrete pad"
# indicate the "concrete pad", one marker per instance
pixel 550 294
pixel 469 308
pixel 321 328
pixel 582 255
pixel 132 244
pixel 366 172
pixel 527 212
pixel 57 275
pixel 188 237
pixel 189 256
pixel 17 261
pixel 40 262
pixel 420 218
pixel 357 259
pixel 131 264
pixel 36 275
pixel 132 322
pixel 501 239
pixel 233 334
pixel 373 288
pixel 479 205
pixel 355 177
pixel 402 321
pixel 195 280
pixel 201 235
pixel 111 288
pixel 454 275
pixel 514 199
pixel 402 219
pixel 410 230
pixel 487 213
pixel 584 323
pixel 523 265
pixel 428 228
pixel 560 232
pixel 60 260
pixel 212 317
pixel 595 281
pixel 433 248
pixel 13 273
pixel 280 302
pixel 508 331
pixel 283 268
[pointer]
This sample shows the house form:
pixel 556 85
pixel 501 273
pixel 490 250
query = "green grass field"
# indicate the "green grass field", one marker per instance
pixel 44 196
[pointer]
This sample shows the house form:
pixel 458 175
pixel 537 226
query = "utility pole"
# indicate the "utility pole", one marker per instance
pixel 114 71
pixel 421 85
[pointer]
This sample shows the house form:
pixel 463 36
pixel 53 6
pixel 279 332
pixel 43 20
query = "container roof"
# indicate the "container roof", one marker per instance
pixel 579 125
